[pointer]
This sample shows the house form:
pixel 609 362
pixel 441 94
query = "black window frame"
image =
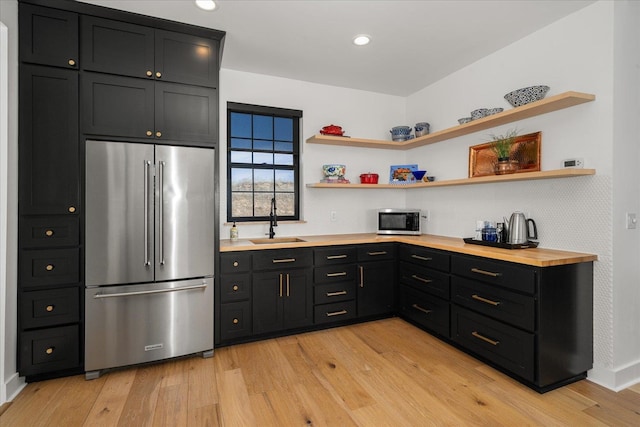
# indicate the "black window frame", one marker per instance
pixel 296 115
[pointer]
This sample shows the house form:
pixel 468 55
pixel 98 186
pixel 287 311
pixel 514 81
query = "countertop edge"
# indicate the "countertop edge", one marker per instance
pixel 539 257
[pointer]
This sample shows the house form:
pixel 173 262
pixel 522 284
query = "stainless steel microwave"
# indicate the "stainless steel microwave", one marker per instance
pixel 399 221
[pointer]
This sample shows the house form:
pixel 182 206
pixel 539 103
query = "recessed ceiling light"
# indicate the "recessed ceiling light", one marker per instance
pixel 206 4
pixel 361 40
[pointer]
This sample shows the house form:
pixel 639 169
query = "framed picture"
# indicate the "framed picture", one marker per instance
pixel 401 174
pixel 525 150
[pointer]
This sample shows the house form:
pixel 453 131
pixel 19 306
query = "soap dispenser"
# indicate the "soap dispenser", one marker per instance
pixel 234 232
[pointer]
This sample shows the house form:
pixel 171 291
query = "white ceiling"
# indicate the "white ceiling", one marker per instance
pixel 414 43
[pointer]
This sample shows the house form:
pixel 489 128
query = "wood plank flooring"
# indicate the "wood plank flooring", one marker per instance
pixel 382 373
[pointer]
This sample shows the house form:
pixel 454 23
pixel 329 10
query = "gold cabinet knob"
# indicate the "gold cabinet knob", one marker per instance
pixel 49 350
pixel 235 263
pixel 158 134
pixel 149 73
pixel 49 267
pixel 72 209
pixel 49 308
pixel 48 233
pixel 72 62
pixel 235 321
pixel 158 74
pixel 235 287
pixel 149 133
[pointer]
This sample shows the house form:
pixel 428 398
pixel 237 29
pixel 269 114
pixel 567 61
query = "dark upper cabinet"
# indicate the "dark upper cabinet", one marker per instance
pixel 132 50
pixel 48 154
pixel 48 36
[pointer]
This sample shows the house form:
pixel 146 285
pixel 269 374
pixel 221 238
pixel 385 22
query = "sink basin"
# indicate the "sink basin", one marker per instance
pixel 276 240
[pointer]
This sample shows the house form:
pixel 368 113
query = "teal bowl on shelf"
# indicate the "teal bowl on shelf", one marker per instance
pixel 418 174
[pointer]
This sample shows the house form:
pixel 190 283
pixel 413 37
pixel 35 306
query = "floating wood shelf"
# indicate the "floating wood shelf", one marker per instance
pixel 546 105
pixel 524 176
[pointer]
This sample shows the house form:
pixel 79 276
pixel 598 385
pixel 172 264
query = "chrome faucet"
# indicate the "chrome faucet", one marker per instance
pixel 273 218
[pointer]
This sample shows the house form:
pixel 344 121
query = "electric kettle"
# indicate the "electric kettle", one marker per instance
pixel 518 229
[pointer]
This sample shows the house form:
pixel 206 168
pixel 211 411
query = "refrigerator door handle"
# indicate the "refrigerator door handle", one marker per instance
pixel 161 209
pixel 157 291
pixel 147 261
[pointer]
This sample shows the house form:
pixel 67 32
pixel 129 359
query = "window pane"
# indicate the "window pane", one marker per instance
pixel 241 143
pixel 284 146
pixel 260 144
pixel 242 204
pixel 263 180
pixel 283 129
pixel 285 204
pixel 284 181
pixel 241 179
pixel 283 159
pixel 262 158
pixel 240 125
pixel 241 157
pixel 263 127
pixel 263 204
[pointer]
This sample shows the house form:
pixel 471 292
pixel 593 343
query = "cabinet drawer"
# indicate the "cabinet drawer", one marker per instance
pixel 509 275
pixel 49 267
pixel 376 252
pixel 335 255
pixel 425 257
pixel 333 292
pixel 49 308
pixel 501 344
pixel 335 312
pixel 47 350
pixel 426 310
pixel 235 320
pixel 49 231
pixel 425 279
pixel 282 258
pixel 235 287
pixel 335 273
pixel 499 303
pixel 235 262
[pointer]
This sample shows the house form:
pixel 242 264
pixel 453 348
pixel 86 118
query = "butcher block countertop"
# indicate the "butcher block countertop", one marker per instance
pixel 538 257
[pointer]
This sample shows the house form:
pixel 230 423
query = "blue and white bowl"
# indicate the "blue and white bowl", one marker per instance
pixel 526 95
pixel 400 131
pixel 333 171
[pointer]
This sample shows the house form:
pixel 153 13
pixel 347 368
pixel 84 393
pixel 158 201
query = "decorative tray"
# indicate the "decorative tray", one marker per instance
pixel 529 244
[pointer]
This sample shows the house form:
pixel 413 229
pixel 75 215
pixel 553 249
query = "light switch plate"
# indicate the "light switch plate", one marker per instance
pixel 632 220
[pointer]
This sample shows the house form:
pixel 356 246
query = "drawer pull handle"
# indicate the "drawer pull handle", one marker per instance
pixel 48 233
pixel 485 339
pixel 149 133
pixel 71 62
pixel 72 209
pixel 337 293
pixel 337 313
pixel 341 273
pixel 158 134
pixel 424 310
pixel 158 74
pixel 485 300
pixel 50 350
pixel 235 263
pixel 235 321
pixel 235 288
pixel 421 279
pixel 336 256
pixel 149 73
pixel 49 308
pixel 377 253
pixel 486 273
pixel 421 258
pixel 49 267
pixel 278 261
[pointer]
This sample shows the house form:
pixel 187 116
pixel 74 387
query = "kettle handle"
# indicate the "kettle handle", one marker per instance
pixel 535 229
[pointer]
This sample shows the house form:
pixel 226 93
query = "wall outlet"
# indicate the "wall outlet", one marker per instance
pixel 574 163
pixel 333 216
pixel 426 215
pixel 632 220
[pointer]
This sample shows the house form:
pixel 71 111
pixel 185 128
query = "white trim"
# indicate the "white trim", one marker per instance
pixel 616 379
pixel 4 151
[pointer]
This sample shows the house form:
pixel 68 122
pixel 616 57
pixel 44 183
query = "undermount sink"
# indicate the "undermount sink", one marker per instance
pixel 276 240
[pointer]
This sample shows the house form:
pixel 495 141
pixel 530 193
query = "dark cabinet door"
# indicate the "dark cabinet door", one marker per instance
pixel 117 106
pixel 117 47
pixel 298 299
pixel 184 58
pixel 48 150
pixel 267 302
pixel 185 113
pixel 48 36
pixel 376 288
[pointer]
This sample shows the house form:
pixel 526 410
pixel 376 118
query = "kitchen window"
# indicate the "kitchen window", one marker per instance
pixel 263 153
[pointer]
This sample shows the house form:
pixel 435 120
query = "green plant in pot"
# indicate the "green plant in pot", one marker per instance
pixel 501 146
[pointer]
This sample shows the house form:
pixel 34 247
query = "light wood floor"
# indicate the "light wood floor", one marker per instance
pixel 383 373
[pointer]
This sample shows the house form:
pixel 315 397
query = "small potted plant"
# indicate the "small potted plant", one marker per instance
pixel 501 146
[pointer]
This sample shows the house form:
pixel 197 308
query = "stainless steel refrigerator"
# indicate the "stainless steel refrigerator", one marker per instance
pixel 149 248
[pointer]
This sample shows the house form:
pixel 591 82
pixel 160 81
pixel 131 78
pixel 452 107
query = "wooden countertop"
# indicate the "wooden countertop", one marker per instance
pixel 538 257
